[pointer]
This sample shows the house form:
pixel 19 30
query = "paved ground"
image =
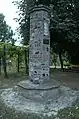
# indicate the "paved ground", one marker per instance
pixel 70 79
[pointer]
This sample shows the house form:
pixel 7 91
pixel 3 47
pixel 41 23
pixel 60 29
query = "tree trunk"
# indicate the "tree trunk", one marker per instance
pixel 55 61
pixel 4 62
pixel 55 65
pixel 0 63
pixel 26 65
pixel 61 61
pixel 18 62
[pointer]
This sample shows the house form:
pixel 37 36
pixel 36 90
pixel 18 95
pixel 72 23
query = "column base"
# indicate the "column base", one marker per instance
pixel 39 92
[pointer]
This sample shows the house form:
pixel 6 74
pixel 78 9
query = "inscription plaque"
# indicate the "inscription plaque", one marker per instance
pixel 45 41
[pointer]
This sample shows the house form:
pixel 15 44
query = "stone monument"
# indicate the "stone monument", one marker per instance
pixel 39 50
pixel 40 94
pixel 39 82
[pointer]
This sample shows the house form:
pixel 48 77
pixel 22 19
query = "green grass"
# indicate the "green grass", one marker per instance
pixel 69 113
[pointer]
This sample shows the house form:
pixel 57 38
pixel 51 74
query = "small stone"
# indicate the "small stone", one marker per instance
pixel 36 81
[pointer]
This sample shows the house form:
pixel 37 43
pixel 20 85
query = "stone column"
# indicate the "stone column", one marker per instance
pixel 39 44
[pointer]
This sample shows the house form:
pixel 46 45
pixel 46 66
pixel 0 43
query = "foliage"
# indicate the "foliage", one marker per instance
pixel 64 25
pixel 23 7
pixel 12 55
pixel 23 20
pixel 6 33
pixel 64 28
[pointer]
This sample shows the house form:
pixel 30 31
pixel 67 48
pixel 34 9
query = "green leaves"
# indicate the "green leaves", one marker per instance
pixel 6 33
pixel 65 29
pixel 64 26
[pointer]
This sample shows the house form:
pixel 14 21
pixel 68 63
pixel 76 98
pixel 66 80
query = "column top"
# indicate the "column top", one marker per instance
pixel 38 8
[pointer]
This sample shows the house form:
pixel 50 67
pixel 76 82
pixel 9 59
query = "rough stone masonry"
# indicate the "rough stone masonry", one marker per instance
pixel 39 50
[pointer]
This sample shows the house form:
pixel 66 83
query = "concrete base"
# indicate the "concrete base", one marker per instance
pixel 39 92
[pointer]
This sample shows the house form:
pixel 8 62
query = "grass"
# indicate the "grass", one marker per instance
pixel 69 113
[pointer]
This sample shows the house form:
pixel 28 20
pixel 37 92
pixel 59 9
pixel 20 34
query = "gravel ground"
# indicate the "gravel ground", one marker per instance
pixel 68 79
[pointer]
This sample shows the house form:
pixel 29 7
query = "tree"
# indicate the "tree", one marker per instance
pixel 23 7
pixel 26 60
pixel 63 27
pixel 6 35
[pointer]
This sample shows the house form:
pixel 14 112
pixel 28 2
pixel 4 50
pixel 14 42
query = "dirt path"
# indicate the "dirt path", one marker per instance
pixel 11 81
pixel 70 79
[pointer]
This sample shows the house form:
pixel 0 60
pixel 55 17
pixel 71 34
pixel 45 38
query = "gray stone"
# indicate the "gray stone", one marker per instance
pixel 48 106
pixel 39 50
pixel 39 92
pixel 39 87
